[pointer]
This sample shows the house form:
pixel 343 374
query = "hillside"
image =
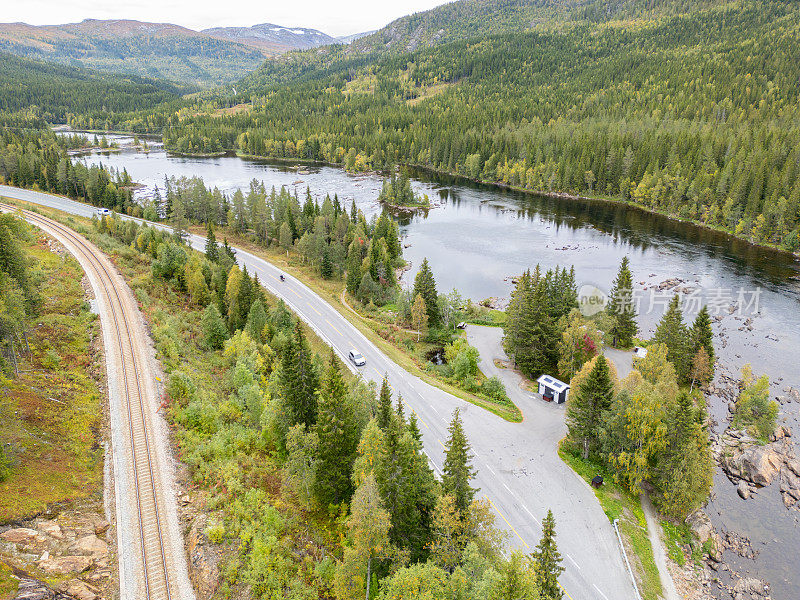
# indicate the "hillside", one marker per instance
pixel 157 50
pixel 50 92
pixel 687 109
pixel 272 39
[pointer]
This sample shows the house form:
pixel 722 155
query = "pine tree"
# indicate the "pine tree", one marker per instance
pixel 457 471
pixel 425 286
pixel 672 332
pixel 212 250
pixel 297 380
pixel 547 561
pixel 337 431
pixel 622 308
pixel 587 404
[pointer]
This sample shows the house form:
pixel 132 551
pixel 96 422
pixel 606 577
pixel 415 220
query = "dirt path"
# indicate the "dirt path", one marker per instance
pixel 660 555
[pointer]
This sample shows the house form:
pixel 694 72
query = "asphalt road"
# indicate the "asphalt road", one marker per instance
pixel 518 469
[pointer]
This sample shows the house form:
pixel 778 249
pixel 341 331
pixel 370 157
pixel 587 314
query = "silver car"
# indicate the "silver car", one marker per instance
pixel 356 358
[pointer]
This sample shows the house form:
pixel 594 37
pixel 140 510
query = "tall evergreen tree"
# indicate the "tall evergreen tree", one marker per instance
pixel 587 404
pixel 353 279
pixel 702 334
pixel 547 561
pixel 326 267
pixel 212 250
pixel 178 220
pixel 425 286
pixel 621 306
pixel 672 332
pixel 684 472
pixel 457 471
pixel 531 333
pixel 338 434
pixel 298 381
pixel 385 413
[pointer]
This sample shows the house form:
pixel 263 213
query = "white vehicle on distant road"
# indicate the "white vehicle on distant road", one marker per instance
pixel 356 358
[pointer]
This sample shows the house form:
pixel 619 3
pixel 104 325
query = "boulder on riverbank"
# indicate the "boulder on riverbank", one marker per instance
pixel 751 465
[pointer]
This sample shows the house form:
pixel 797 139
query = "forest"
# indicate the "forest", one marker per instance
pixel 40 160
pixel 690 114
pixel 53 92
pixel 297 456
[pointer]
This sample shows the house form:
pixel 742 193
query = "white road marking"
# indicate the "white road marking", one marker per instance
pixel 491 470
pixel 508 488
pixel 573 562
pixel 599 592
pixel 531 514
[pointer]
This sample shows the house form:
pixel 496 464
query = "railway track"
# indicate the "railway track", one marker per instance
pixel 154 574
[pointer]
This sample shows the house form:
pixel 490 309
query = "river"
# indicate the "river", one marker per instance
pixel 477 237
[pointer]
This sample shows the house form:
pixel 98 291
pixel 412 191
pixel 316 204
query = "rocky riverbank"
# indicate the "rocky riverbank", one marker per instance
pixel 62 555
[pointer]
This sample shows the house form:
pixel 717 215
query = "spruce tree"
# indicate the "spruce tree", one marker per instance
pixel 425 286
pixel 457 471
pixel 588 403
pixel 413 427
pixel 178 220
pixel 212 250
pixel 672 332
pixel 684 472
pixel 702 335
pixel 338 434
pixel 385 412
pixel 353 279
pixel 297 380
pixel 547 561
pixel 622 308
pixel 407 484
pixel 531 334
pixel 256 320
pixel 326 267
pixel 214 328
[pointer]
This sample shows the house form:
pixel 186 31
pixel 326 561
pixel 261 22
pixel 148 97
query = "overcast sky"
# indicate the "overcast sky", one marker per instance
pixel 334 17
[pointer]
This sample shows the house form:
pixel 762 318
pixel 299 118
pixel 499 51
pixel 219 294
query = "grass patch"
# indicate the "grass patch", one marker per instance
pixel 8 583
pixel 50 412
pixel 623 506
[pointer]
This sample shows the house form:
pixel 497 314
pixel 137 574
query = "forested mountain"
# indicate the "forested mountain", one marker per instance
pixel 158 50
pixel 50 92
pixel 689 108
pixel 272 39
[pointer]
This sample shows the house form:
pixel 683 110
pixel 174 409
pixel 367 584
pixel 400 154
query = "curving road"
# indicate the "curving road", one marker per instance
pixel 518 468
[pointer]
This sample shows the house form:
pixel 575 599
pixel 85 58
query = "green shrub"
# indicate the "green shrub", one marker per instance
pixel 181 388
pixel 494 389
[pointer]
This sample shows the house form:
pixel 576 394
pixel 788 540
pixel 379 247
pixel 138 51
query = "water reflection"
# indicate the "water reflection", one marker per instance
pixel 479 236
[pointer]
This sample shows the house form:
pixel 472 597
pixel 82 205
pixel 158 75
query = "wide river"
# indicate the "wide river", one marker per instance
pixel 477 237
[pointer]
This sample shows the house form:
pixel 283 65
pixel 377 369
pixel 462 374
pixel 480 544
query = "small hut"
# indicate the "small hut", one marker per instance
pixel 552 389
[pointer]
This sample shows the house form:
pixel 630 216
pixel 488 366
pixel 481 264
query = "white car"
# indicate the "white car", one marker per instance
pixel 356 358
pixel 103 212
